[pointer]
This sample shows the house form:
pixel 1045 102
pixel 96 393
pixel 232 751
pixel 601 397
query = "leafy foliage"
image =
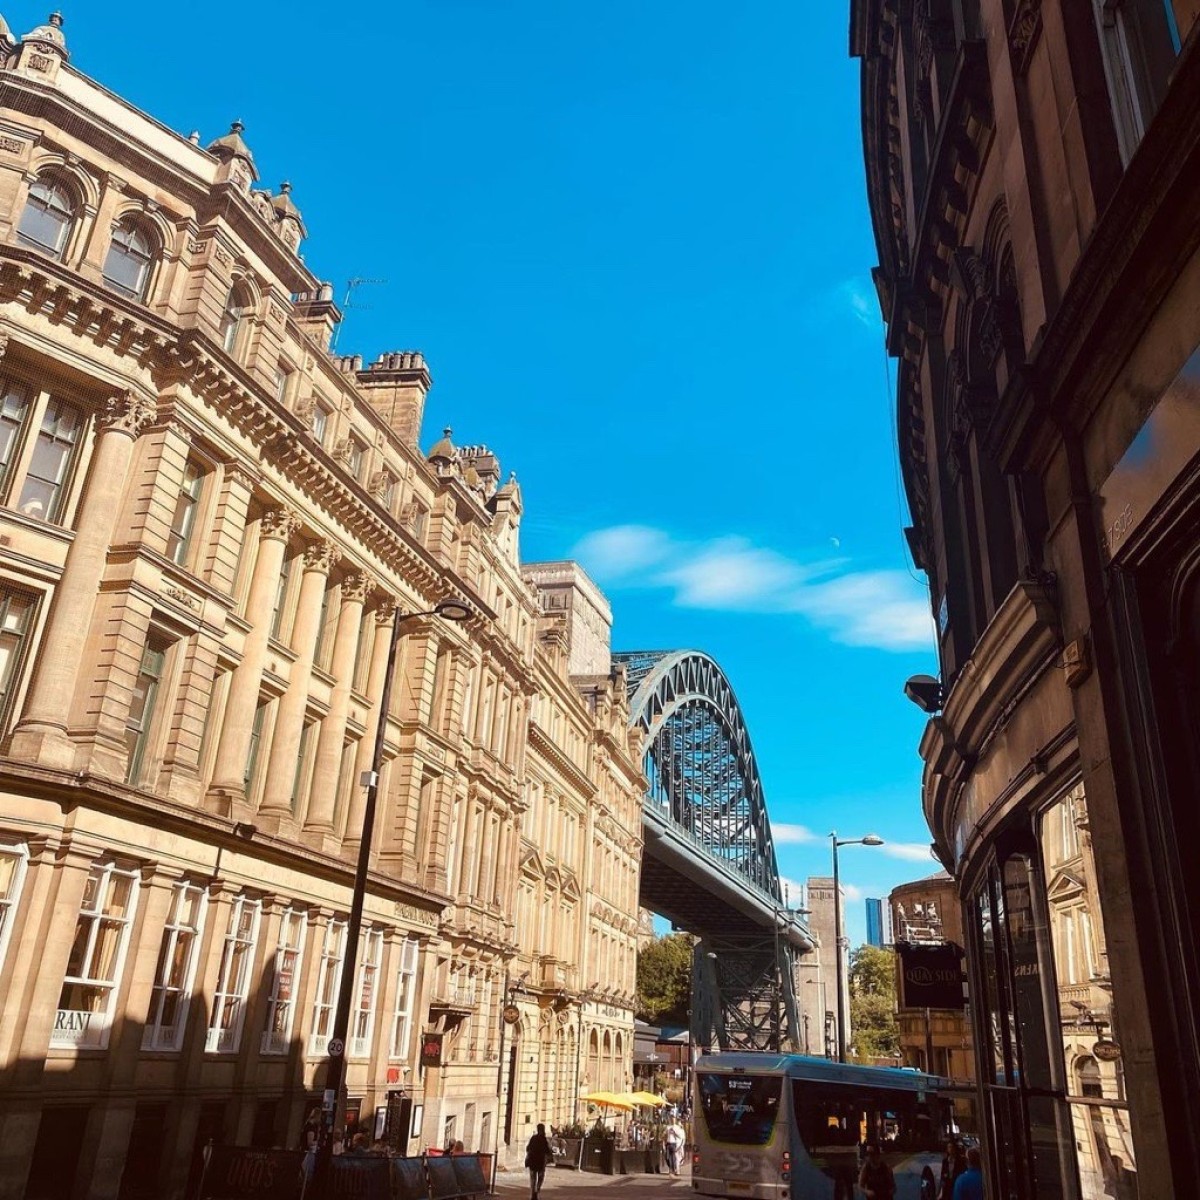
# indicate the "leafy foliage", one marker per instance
pixel 873 1021
pixel 664 980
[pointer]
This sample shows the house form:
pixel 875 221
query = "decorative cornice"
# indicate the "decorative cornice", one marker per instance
pixel 189 357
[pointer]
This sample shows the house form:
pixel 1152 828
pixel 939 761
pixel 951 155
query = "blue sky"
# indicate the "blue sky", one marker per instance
pixel 632 241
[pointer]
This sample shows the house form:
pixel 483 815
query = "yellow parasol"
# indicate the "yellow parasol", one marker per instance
pixel 645 1099
pixel 609 1100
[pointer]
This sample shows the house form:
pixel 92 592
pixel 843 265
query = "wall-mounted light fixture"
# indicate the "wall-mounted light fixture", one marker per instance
pixel 925 692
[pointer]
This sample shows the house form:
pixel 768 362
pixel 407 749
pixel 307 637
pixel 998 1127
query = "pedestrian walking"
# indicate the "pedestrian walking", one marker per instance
pixel 876 1178
pixel 537 1155
pixel 673 1141
pixel 970 1183
pixel 954 1163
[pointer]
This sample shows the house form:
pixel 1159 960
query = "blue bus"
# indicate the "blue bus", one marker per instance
pixel 790 1127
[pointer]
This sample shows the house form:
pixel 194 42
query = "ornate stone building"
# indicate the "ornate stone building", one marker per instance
pixel 1031 169
pixel 581 840
pixel 926 912
pixel 208 525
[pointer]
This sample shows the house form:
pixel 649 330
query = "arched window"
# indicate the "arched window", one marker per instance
pixel 130 258
pixel 238 306
pixel 48 216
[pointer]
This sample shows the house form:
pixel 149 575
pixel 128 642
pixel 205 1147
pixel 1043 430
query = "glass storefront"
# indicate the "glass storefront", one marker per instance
pixel 1053 1091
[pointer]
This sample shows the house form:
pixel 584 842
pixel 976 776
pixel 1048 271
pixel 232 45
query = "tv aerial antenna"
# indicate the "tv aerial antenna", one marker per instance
pixel 352 285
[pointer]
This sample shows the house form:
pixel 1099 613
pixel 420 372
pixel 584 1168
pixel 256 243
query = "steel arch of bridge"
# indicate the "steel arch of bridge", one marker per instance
pixel 705 784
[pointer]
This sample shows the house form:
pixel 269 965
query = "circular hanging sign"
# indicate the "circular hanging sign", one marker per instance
pixel 511 1014
pixel 1107 1051
pixel 335 1047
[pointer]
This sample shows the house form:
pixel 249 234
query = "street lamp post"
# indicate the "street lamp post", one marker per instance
pixel 335 1072
pixel 870 839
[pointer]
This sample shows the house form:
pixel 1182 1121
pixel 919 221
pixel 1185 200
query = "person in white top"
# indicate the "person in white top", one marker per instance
pixel 673 1140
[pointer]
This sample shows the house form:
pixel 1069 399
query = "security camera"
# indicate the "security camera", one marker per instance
pixel 925 692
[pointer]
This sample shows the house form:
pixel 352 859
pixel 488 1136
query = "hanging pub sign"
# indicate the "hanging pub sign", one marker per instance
pixel 511 1014
pixel 431 1050
pixel 1106 1051
pixel 931 976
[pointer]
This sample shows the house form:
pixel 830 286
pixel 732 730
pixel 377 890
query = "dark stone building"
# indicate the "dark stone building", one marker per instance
pixel 1034 171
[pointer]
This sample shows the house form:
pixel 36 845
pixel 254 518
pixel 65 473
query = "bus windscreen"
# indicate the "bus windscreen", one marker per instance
pixel 740 1109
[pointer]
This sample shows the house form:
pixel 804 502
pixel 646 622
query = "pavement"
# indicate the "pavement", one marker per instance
pixel 583 1185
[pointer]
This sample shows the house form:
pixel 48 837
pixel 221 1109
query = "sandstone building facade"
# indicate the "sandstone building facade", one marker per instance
pixel 1031 168
pixel 926 913
pixel 208 525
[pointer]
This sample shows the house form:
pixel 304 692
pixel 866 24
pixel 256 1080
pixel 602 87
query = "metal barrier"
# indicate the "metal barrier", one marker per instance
pixel 242 1173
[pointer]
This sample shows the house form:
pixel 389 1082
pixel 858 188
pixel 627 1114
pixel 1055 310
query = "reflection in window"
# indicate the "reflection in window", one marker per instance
pixel 13 861
pixel 281 1008
pixel 239 305
pixel 44 489
pixel 1090 1047
pixel 141 705
pixel 16 620
pixel 233 980
pixel 176 967
pixel 127 264
pixel 183 520
pixel 47 216
pixel 89 989
pixel 14 409
pixel 362 1019
pixel 329 977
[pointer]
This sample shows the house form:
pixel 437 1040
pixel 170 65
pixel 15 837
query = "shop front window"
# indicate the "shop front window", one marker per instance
pixel 1087 1039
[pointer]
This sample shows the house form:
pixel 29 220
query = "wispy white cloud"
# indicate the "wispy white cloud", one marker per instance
pixel 793 835
pixel 853 892
pixel 622 550
pixel 794 891
pixel 858 296
pixel 858 607
pixel 917 852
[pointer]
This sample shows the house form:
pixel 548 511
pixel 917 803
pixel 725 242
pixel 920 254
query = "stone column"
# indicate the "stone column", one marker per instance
pixel 384 615
pixel 228 781
pixel 322 801
pixel 289 721
pixel 41 736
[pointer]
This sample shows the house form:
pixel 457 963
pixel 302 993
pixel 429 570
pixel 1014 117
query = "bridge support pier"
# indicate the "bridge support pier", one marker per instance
pixel 743 993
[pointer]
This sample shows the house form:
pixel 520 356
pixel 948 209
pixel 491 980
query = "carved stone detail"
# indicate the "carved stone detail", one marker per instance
pixel 127 412
pixel 280 523
pixel 385 610
pixel 1023 33
pixel 321 556
pixel 357 587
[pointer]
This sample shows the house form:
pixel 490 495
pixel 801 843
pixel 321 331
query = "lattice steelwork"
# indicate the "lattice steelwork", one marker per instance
pixel 705 782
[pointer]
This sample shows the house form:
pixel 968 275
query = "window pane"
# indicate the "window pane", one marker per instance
pixel 14 409
pixel 50 465
pixel 183 520
pixel 46 218
pixel 127 264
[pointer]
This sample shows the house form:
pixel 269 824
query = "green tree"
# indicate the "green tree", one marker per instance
pixel 873 1021
pixel 664 980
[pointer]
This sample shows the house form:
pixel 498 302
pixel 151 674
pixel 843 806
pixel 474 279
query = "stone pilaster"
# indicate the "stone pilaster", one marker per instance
pixel 227 543
pixel 276 803
pixel 385 614
pixel 41 735
pixel 228 782
pixel 321 814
